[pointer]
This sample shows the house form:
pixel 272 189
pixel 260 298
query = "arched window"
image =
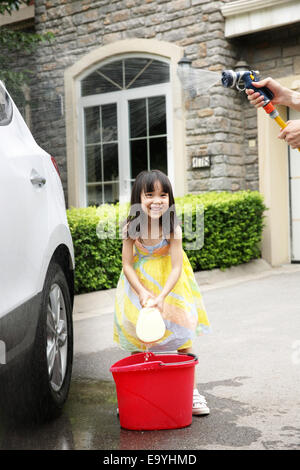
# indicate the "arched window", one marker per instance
pixel 125 119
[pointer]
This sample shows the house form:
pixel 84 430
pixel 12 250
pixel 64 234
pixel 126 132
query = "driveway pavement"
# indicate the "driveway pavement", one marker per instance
pixel 249 371
pixel 249 367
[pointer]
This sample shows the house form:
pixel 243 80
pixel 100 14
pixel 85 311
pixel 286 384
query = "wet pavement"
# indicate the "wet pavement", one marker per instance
pixel 90 421
pixel 249 371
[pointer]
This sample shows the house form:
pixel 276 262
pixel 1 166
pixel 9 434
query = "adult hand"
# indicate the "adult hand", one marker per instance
pixel 291 133
pixel 281 94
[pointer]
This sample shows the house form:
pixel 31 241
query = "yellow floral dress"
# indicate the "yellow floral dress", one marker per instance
pixel 184 312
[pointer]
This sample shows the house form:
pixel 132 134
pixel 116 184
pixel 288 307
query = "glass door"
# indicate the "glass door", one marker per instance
pixel 147 134
pixel 123 132
pixel 101 154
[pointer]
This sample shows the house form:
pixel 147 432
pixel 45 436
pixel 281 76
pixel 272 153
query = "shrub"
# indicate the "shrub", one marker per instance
pixel 233 224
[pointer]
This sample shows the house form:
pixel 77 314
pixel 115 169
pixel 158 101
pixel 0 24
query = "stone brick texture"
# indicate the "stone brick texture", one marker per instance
pixel 219 122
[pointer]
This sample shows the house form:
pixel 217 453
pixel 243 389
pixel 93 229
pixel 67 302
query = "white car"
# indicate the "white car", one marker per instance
pixel 36 273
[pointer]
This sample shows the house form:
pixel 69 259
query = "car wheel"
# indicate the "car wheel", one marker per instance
pixel 53 348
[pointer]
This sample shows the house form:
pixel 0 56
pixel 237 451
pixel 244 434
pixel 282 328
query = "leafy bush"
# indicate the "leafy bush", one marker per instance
pixel 233 224
pixel 232 231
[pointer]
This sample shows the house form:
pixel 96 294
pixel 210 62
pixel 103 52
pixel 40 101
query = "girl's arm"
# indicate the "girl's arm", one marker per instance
pixel 176 260
pixel 127 260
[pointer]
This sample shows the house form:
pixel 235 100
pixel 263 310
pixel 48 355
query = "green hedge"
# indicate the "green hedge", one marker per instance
pixel 233 224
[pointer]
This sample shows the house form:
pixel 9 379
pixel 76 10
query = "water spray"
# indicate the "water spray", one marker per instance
pixel 193 80
pixel 242 80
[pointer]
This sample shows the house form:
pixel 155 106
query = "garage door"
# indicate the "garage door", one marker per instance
pixel 294 157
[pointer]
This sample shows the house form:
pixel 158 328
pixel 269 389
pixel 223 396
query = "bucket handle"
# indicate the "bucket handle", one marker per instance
pixel 195 358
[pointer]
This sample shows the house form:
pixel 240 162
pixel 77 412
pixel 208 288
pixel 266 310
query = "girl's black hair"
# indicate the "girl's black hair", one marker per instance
pixel 145 183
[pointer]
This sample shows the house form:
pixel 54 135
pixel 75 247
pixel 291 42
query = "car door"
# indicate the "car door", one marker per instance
pixel 23 210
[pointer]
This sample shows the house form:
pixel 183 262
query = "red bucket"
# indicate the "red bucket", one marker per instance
pixel 157 393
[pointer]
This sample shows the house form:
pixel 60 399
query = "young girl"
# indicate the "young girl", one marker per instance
pixel 156 267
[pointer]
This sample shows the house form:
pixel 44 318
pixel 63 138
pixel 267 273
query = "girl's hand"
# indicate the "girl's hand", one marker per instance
pixel 144 297
pixel 157 302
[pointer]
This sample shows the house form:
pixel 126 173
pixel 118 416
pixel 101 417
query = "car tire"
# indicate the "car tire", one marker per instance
pixel 52 355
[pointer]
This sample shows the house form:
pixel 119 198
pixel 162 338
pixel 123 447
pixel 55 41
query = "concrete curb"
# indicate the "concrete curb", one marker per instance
pixel 102 302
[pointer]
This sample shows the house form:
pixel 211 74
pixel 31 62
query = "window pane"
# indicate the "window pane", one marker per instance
pixel 111 192
pixel 95 84
pixel 137 72
pixel 138 156
pixel 94 195
pixel 132 68
pixel 156 72
pixel 158 154
pixel 102 159
pixel 109 122
pixel 92 125
pixel 137 118
pixel 157 115
pixel 114 71
pixel 93 163
pixel 110 162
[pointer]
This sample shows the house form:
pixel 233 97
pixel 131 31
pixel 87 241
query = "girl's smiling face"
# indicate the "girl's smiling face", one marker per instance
pixel 156 202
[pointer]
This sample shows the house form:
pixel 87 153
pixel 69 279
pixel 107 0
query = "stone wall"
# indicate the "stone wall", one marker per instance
pixel 197 25
pixel 219 123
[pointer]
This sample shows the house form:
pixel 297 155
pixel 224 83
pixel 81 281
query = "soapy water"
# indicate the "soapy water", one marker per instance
pixel 147 356
pixel 147 353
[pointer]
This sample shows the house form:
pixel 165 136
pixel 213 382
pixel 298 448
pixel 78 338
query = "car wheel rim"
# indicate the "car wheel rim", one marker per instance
pixel 57 337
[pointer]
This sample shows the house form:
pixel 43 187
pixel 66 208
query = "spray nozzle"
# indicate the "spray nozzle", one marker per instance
pixel 231 79
pixel 243 79
pixel 240 79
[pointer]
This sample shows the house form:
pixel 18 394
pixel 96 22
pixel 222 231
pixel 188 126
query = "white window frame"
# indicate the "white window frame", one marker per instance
pixel 294 193
pixel 121 98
